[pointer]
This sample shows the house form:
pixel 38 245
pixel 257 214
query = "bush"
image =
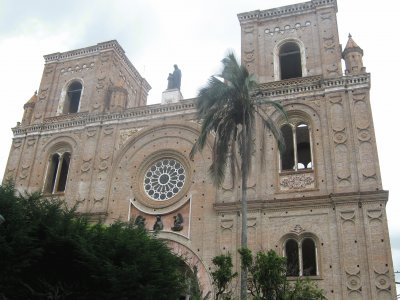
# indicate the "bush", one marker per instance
pixel 50 252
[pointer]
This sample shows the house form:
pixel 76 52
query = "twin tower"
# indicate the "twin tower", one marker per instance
pixel 88 137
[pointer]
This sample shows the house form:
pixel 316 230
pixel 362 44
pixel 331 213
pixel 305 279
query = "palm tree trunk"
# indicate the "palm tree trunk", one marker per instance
pixel 245 168
pixel 243 274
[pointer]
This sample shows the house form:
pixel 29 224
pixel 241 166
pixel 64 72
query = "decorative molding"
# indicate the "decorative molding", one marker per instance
pixel 43 94
pixel 100 83
pixel 108 130
pixel 125 134
pixel 340 136
pixel 227 224
pixel 297 229
pixel 17 143
pixel 348 215
pixel 326 16
pixel 77 68
pixel 287 28
pixel 86 165
pixel 70 121
pixel 297 181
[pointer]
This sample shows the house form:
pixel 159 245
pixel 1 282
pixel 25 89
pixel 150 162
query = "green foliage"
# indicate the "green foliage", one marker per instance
pixel 268 280
pixel 47 251
pixel 223 274
pixel 246 257
pixel 228 109
pixel 305 289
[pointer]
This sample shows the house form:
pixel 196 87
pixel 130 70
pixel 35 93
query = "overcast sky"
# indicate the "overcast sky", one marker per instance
pixel 196 35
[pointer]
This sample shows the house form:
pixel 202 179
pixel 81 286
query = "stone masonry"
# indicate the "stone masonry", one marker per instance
pixel 129 160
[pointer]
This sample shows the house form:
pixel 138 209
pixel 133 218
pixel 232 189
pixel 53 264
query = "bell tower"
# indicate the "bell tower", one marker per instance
pixel 325 199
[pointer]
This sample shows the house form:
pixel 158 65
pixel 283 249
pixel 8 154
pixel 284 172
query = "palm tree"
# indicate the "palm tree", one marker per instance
pixel 228 110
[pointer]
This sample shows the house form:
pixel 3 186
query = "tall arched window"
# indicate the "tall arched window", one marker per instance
pixel 57 172
pixel 73 98
pixel 290 61
pixel 309 257
pixel 301 257
pixel 292 257
pixel 298 154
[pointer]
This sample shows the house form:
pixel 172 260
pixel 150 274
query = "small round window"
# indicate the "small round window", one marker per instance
pixel 164 179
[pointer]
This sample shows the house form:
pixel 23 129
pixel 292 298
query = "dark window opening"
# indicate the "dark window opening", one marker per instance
pixel 301 257
pixel 290 61
pixel 73 98
pixel 63 173
pixel 292 256
pixel 309 257
pixel 303 147
pixel 52 173
pixel 297 154
pixel 57 173
pixel 287 157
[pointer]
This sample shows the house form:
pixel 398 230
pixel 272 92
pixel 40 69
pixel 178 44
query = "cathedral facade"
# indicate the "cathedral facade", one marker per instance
pixel 89 138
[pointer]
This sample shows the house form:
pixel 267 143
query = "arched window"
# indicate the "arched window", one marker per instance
pixel 292 257
pixel 73 98
pixel 57 173
pixel 301 257
pixel 298 154
pixel 290 61
pixel 309 257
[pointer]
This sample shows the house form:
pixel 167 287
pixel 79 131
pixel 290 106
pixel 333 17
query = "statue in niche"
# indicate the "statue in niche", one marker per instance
pixel 140 221
pixel 178 221
pixel 158 225
pixel 174 79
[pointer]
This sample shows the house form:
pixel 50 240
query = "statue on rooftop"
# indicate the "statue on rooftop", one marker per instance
pixel 174 79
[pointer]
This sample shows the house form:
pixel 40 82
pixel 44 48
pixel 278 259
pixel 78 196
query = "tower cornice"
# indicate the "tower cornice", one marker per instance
pixel 289 10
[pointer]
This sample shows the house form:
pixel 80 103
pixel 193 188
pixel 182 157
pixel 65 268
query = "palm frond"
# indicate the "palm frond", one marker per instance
pixel 269 124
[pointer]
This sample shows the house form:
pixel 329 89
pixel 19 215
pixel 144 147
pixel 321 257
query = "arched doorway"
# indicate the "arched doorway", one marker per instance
pixel 197 275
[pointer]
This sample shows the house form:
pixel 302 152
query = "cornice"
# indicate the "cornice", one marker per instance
pixel 276 90
pixel 311 85
pixel 321 201
pixel 85 119
pixel 289 10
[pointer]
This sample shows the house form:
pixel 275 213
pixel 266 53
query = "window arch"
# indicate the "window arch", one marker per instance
pixel 301 256
pixel 289 59
pixel 57 172
pixel 72 98
pixel 298 153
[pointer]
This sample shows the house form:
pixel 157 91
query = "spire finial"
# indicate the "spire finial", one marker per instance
pixel 350 35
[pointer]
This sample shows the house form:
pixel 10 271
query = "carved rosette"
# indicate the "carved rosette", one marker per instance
pixel 354 283
pixel 297 181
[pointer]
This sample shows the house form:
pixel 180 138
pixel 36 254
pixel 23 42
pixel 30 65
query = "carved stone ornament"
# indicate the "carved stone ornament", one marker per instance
pixel 353 282
pixel 297 229
pixel 125 134
pixel 340 137
pixel 382 282
pixel 297 181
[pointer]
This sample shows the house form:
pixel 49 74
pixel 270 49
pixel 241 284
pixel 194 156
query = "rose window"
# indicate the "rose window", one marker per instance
pixel 164 179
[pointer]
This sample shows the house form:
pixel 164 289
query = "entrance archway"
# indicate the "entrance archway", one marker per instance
pixel 195 266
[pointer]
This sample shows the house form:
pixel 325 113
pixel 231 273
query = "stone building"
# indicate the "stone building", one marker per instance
pixel 88 137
